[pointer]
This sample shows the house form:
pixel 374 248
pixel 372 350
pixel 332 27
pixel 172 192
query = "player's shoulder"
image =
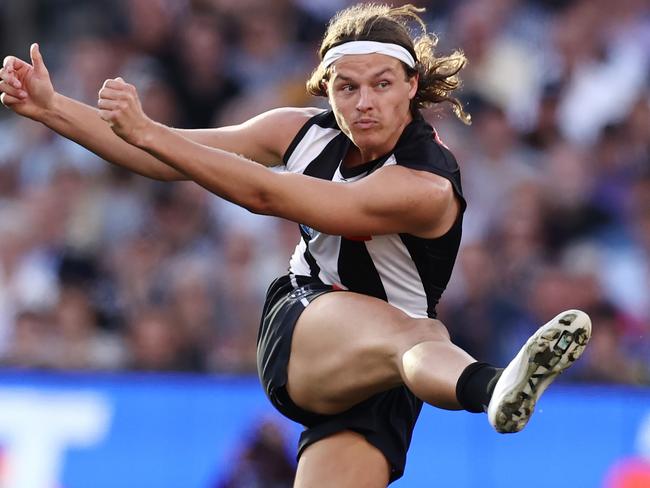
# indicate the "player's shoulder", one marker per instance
pixel 277 128
pixel 420 147
pixel 290 116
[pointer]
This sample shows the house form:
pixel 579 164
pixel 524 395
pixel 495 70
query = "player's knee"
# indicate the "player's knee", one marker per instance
pixel 439 330
pixel 416 331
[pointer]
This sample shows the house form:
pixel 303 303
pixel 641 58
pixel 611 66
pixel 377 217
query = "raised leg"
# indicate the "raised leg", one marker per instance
pixel 347 347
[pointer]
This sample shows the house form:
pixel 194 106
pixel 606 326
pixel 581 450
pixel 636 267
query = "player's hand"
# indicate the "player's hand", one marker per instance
pixel 120 106
pixel 26 88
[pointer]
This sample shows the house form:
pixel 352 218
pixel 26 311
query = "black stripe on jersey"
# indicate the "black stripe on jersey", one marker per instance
pixel 324 166
pixel 434 259
pixel 314 269
pixel 325 119
pixel 303 280
pixel 368 167
pixel 357 271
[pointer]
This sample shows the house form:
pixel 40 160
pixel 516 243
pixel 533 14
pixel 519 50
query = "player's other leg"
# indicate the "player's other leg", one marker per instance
pixel 344 460
pixel 548 352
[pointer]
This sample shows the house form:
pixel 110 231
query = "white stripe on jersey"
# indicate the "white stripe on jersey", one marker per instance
pixel 325 249
pixel 396 268
pixel 398 274
pixel 294 282
pixel 390 161
pixel 309 147
pixel 297 264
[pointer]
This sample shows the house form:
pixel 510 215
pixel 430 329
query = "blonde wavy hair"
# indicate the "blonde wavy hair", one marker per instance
pixel 438 76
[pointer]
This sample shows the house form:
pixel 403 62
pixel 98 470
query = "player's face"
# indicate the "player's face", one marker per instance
pixel 370 95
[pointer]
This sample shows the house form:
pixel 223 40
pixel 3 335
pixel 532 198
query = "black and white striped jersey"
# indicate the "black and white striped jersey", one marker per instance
pixel 407 271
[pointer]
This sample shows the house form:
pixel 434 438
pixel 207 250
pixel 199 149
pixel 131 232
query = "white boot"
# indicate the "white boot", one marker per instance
pixel 551 350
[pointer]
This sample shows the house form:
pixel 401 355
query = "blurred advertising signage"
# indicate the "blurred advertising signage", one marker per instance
pixel 173 431
pixel 37 427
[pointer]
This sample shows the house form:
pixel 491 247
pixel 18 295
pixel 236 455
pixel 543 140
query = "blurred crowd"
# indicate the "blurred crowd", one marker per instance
pixel 101 269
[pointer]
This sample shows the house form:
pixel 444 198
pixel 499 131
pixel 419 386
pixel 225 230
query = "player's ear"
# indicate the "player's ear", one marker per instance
pixel 323 86
pixel 414 82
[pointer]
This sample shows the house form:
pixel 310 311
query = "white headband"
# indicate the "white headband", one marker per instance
pixel 367 47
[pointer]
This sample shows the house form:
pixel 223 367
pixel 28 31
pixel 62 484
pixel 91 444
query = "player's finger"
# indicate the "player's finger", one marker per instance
pixel 111 93
pixel 105 104
pixel 10 78
pixel 37 58
pixel 9 89
pixel 12 63
pixel 115 84
pixel 107 115
pixel 124 86
pixel 8 100
pixel 8 63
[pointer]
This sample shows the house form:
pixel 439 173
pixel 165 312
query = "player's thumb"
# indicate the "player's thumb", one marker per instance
pixel 37 59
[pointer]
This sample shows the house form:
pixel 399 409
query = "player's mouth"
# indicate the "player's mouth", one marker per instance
pixel 366 123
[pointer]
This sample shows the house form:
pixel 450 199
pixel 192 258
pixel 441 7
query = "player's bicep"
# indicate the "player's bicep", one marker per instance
pixel 263 139
pixel 393 200
pixel 411 201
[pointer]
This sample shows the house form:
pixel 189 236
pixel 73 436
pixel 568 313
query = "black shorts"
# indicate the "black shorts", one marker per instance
pixel 386 420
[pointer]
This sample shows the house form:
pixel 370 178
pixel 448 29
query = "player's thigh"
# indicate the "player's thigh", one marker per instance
pixel 347 347
pixel 343 460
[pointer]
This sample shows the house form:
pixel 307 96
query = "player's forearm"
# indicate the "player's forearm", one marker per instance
pixel 81 124
pixel 227 175
pixel 295 197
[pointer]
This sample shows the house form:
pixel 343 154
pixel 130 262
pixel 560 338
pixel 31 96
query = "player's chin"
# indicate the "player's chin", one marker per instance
pixel 368 136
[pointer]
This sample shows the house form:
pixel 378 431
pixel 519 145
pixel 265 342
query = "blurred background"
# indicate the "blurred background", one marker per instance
pixel 111 283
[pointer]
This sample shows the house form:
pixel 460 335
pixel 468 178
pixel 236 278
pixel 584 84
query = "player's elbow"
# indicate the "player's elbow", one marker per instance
pixel 270 196
pixel 261 202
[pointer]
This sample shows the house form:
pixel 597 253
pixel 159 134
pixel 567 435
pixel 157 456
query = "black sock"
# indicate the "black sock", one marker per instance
pixel 475 386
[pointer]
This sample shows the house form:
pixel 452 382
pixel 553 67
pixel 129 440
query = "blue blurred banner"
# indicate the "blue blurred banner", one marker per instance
pixel 167 431
pixel 582 437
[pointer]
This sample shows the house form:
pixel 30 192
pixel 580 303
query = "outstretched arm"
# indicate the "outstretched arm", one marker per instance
pixel 391 200
pixel 27 90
